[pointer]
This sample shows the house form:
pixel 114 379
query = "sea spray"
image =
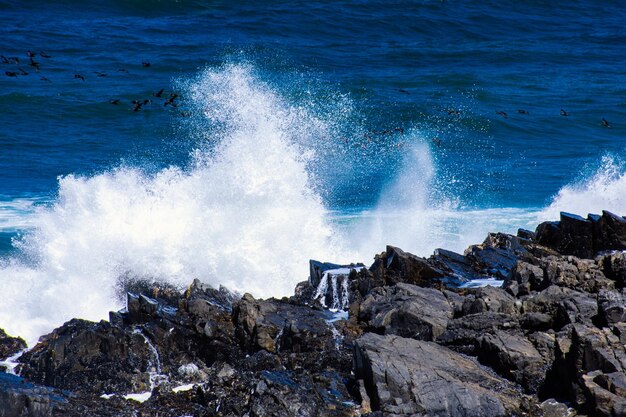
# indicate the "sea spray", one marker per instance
pixel 244 215
pixel 603 189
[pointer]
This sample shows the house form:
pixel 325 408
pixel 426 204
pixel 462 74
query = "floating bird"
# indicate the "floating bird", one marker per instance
pixel 402 90
pixel 34 64
pixel 170 100
pixel 564 113
pixel 79 76
pixel 399 130
pixel 14 59
pixel 437 141
pixel 158 93
pixel 114 101
pixel 146 101
pixel 22 71
pixel 605 123
pixel 137 105
pixel 522 111
pixel 122 70
pixel 44 55
pixel 100 74
pixel 11 73
pixel 503 114
pixel 4 59
pixel 45 79
pixel 30 54
pixel 146 64
pixel 454 112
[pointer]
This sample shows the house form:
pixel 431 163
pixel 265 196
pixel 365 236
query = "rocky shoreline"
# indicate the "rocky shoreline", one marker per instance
pixel 399 338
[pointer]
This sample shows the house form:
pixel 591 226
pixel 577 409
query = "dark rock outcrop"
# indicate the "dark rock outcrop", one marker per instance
pixel 406 310
pixel 400 340
pixel 9 346
pixel 407 377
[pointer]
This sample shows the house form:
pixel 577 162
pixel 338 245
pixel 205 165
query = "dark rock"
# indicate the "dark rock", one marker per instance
pixel 609 232
pixel 523 278
pixel 21 398
pixel 394 266
pixel 562 305
pixel 574 235
pixel 457 268
pixel 614 267
pixel 98 357
pixel 489 299
pixel 587 363
pixel 9 346
pixel 515 358
pixel 407 310
pixel 611 307
pixel 525 234
pixel 463 334
pixel 274 325
pixel 410 377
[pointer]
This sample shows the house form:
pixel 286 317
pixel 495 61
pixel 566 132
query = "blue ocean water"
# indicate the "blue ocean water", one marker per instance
pixel 294 130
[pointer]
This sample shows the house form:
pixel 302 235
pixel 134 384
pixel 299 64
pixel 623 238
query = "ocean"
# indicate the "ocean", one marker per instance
pixel 233 141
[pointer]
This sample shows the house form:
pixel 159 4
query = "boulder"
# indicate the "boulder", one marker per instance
pixel 515 358
pixel 590 364
pixel 463 334
pixel 394 266
pixel 611 307
pixel 275 325
pixel 21 398
pixel 9 346
pixel 407 377
pixel 407 310
pixel 98 357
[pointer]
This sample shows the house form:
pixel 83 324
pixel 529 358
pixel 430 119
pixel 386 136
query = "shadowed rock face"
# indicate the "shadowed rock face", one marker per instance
pixel 9 346
pixel 552 338
pixel 407 377
pixel 406 310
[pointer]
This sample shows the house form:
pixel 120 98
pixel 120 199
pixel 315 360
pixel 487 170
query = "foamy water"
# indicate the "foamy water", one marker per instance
pixel 246 214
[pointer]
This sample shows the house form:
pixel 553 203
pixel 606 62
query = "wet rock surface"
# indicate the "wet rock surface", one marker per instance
pixel 399 338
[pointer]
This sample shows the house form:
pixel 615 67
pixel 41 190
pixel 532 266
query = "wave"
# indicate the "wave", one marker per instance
pixel 244 215
pixel 602 189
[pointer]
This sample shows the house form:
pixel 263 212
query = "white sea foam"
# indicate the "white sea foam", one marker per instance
pixel 412 215
pixel 244 215
pixel 16 214
pixel 605 189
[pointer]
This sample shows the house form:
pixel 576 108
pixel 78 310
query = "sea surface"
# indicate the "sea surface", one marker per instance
pixel 232 141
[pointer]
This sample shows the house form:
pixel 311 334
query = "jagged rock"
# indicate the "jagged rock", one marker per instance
pixel 458 268
pixel 83 355
pixel 463 333
pixel 407 310
pixel 588 364
pixel 523 278
pixel 515 358
pixel 614 267
pixel 489 299
pixel 497 255
pixel 563 305
pixel 20 398
pixel 608 397
pixel 394 266
pixel 574 235
pixel 9 346
pixel 611 307
pixel 273 325
pixel 553 408
pixel 407 377
pixel 610 232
